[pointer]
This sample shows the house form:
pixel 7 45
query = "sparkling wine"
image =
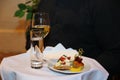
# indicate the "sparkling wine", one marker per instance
pixel 40 31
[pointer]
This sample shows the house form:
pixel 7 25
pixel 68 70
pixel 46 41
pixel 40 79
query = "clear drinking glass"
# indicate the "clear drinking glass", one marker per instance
pixel 36 61
pixel 40 29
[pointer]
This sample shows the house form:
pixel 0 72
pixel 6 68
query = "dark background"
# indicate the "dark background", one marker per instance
pixel 93 25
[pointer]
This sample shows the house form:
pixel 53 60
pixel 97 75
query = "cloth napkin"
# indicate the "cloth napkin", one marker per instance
pixel 52 52
pixel 57 51
pixel 18 67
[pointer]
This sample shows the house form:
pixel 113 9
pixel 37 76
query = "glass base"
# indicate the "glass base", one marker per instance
pixel 36 64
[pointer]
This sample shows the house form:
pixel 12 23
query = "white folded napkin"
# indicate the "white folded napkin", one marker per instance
pixel 35 53
pixel 58 47
pixel 57 51
pixel 52 52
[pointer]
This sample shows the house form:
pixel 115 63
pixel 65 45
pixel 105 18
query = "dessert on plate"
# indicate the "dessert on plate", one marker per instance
pixel 65 63
pixel 77 64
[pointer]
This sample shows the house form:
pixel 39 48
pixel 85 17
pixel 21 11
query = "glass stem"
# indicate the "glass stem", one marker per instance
pixel 41 44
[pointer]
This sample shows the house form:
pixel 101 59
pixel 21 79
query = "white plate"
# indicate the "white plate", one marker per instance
pixel 51 64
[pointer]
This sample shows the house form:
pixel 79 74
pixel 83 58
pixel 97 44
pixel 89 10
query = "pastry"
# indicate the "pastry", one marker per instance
pixel 63 63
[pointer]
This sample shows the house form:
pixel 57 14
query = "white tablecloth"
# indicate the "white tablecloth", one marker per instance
pixel 18 68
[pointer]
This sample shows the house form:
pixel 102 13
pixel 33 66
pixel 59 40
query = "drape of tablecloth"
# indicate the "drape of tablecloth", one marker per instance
pixel 18 67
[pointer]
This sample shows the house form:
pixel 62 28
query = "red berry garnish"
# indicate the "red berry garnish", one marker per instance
pixel 68 58
pixel 63 63
pixel 78 59
pixel 62 58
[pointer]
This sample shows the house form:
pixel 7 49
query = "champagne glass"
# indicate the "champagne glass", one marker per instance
pixel 40 29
